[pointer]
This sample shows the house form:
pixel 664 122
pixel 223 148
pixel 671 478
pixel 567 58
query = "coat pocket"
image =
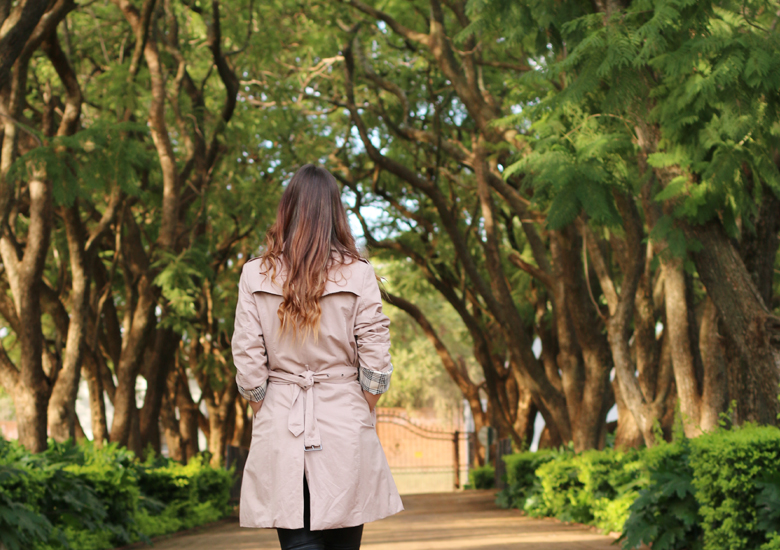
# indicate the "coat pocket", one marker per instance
pixel 371 415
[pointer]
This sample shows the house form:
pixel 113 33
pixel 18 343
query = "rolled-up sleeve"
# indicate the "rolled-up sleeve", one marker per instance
pixel 248 345
pixel 372 333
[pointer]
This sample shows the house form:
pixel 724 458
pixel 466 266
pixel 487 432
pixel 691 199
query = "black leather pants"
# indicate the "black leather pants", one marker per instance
pixel 347 538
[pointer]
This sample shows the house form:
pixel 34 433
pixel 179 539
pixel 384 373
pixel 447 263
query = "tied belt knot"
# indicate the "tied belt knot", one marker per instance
pixel 301 418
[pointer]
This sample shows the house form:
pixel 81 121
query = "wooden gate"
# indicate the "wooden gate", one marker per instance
pixel 423 459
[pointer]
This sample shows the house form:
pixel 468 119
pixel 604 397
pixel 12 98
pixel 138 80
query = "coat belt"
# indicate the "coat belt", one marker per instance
pixel 301 417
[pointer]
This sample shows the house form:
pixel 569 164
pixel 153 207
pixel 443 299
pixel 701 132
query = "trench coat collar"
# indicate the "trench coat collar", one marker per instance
pixel 344 279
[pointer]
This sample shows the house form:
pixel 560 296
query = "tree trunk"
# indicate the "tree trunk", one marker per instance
pixel 62 405
pixel 587 387
pixel 753 332
pixel 645 409
pixel 134 436
pixel 188 419
pixel 242 426
pixel 219 418
pixel 97 404
pixel 628 435
pixel 32 391
pixel 159 366
pixel 759 247
pixel 685 376
pixel 531 371
pixel 524 421
pixel 130 363
pixel 17 32
pixel 31 403
pixel 715 396
pixel 171 429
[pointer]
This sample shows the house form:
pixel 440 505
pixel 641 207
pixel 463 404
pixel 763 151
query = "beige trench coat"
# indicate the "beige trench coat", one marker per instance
pixel 315 418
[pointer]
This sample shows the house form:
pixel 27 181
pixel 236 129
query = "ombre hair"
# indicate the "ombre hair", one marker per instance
pixel 310 237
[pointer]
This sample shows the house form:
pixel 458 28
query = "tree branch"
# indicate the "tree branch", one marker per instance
pixel 15 31
pixel 409 34
pixel 532 270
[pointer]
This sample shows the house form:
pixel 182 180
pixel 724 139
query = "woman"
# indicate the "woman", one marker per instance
pixel 311 349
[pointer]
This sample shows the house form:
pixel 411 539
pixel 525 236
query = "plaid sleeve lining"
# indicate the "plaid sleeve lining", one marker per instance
pixel 374 381
pixel 255 394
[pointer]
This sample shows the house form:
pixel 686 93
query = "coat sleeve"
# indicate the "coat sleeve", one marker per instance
pixel 248 345
pixel 372 333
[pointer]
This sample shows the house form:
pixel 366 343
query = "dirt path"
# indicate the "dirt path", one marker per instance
pixel 442 521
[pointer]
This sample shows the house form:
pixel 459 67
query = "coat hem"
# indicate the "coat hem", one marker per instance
pixel 275 525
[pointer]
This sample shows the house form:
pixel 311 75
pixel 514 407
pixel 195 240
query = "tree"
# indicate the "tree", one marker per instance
pixel 591 188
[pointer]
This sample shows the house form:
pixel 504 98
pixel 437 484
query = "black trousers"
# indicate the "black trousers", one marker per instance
pixel 347 538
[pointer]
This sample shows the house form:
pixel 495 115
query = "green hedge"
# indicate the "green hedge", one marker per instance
pixel 84 498
pixel 720 491
pixel 521 479
pixel 736 480
pixel 666 513
pixel 595 487
pixel 483 477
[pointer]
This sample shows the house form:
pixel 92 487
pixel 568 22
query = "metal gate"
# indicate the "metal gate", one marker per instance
pixel 423 459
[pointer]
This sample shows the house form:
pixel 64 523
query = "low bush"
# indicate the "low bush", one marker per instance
pixel 561 491
pixel 81 497
pixel 720 491
pixel 594 487
pixel 666 512
pixel 20 525
pixel 733 473
pixel 180 497
pixel 521 479
pixel 483 477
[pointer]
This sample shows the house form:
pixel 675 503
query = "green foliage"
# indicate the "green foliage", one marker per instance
pixel 81 497
pixel 666 513
pixel 521 479
pixel 558 491
pixel 773 544
pixel 768 501
pixel 735 476
pixel 578 172
pixel 180 278
pixel 695 84
pixel 180 497
pixel 483 477
pixel 719 491
pixel 90 160
pixel 20 525
pixel 594 487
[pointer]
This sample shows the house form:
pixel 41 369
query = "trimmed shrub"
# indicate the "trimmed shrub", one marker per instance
pixel 768 503
pixel 20 525
pixel 610 515
pixel 773 544
pixel 594 487
pixel 81 497
pixel 180 497
pixel 720 491
pixel 666 512
pixel 611 482
pixel 731 470
pixel 561 493
pixel 521 479
pixel 483 477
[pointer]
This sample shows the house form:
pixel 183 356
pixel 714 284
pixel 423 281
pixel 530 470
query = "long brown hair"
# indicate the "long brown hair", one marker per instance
pixel 310 236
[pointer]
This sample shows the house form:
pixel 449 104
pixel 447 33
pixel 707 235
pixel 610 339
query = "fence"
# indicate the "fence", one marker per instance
pixel 423 459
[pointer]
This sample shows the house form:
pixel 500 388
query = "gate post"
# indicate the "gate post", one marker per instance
pixel 455 439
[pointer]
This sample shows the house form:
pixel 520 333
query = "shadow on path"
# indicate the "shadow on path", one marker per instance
pixel 458 521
